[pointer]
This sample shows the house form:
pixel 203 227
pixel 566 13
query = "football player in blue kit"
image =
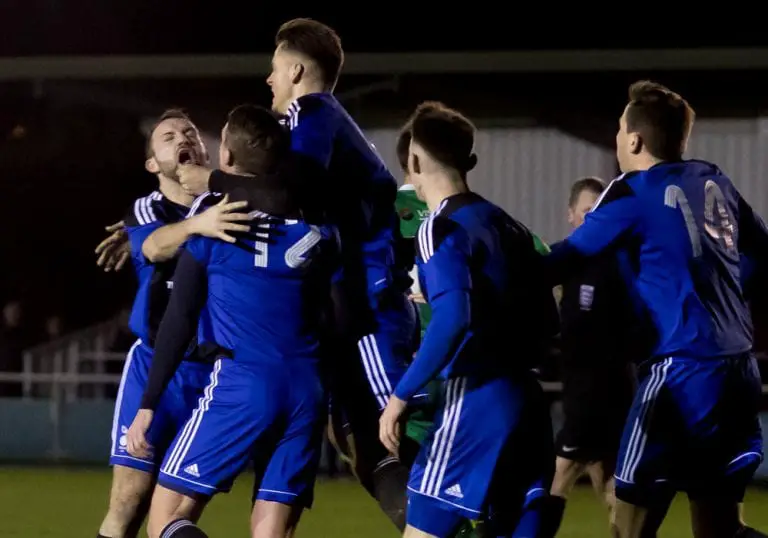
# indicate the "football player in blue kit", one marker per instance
pixel 156 228
pixel 490 454
pixel 265 403
pixel 693 426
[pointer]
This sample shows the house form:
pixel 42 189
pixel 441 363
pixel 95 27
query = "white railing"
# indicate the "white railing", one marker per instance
pixel 61 369
pixel 64 365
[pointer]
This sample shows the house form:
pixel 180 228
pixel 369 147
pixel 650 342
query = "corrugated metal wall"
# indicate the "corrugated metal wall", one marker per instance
pixel 738 147
pixel 526 171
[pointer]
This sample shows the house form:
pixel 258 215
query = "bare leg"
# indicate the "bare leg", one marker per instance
pixel 628 520
pixel 128 502
pixel 567 473
pixel 274 520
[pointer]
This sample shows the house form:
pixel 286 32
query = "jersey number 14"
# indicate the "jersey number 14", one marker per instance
pixel 718 224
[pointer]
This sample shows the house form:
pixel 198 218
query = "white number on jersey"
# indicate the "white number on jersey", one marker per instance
pixel 295 255
pixel 717 221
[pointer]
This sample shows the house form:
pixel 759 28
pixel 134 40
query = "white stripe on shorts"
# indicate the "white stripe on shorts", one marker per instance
pixel 187 435
pixel 639 436
pixel 440 451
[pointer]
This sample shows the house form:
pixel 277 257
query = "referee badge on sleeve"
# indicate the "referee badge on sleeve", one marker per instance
pixel 586 296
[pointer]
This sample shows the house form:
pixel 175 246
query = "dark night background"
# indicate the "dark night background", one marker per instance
pixel 72 152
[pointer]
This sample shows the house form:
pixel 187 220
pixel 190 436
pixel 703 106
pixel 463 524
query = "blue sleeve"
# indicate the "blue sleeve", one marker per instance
pixel 313 131
pixel 200 249
pixel 616 214
pixel 444 254
pixel 137 235
pixel 178 327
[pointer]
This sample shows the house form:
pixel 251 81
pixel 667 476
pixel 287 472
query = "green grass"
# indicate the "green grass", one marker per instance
pixel 69 503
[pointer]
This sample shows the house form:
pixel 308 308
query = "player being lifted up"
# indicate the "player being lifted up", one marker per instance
pixel 156 230
pixel 693 425
pixel 490 452
pixel 373 312
pixel 265 401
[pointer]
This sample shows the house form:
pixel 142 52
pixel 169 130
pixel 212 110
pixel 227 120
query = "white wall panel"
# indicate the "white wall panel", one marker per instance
pixel 526 171
pixel 739 147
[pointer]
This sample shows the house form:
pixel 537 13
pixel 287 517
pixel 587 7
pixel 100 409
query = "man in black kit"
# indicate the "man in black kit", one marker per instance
pixel 597 334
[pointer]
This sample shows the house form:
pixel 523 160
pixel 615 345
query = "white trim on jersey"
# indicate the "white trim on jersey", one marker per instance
pixel 602 194
pixel 425 235
pixel 198 202
pixel 292 116
pixel 142 208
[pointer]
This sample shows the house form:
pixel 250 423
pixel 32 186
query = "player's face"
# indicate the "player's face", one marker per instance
pixel 175 141
pixel 584 203
pixel 281 79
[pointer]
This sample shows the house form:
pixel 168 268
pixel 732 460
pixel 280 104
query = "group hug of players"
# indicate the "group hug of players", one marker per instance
pixel 275 299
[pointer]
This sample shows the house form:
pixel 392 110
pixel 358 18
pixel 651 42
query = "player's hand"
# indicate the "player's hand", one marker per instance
pixel 138 447
pixel 194 178
pixel 221 220
pixel 389 424
pixel 417 298
pixel 115 250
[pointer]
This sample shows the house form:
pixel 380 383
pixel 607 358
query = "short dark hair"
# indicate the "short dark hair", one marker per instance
pixel 318 42
pixel 255 138
pixel 403 145
pixel 661 117
pixel 592 184
pixel 446 134
pixel 169 114
pixel 404 138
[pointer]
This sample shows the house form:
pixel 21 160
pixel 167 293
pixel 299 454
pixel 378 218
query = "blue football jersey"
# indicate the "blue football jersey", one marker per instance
pixel 155 280
pixel 265 301
pixel 683 226
pixel 493 312
pixel 362 191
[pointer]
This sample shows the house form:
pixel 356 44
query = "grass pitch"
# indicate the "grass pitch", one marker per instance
pixel 41 502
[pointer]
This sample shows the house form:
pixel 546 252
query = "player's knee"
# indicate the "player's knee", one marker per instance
pixel 270 519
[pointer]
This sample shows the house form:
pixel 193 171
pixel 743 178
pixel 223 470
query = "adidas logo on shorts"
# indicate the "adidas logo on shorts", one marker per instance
pixel 455 491
pixel 192 470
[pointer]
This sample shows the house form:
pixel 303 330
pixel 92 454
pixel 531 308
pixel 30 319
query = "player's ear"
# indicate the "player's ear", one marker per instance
pixel 414 166
pixel 229 159
pixel 635 143
pixel 151 166
pixel 297 71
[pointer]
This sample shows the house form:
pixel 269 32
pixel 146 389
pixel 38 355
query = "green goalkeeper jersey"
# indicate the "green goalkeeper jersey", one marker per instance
pixel 412 213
